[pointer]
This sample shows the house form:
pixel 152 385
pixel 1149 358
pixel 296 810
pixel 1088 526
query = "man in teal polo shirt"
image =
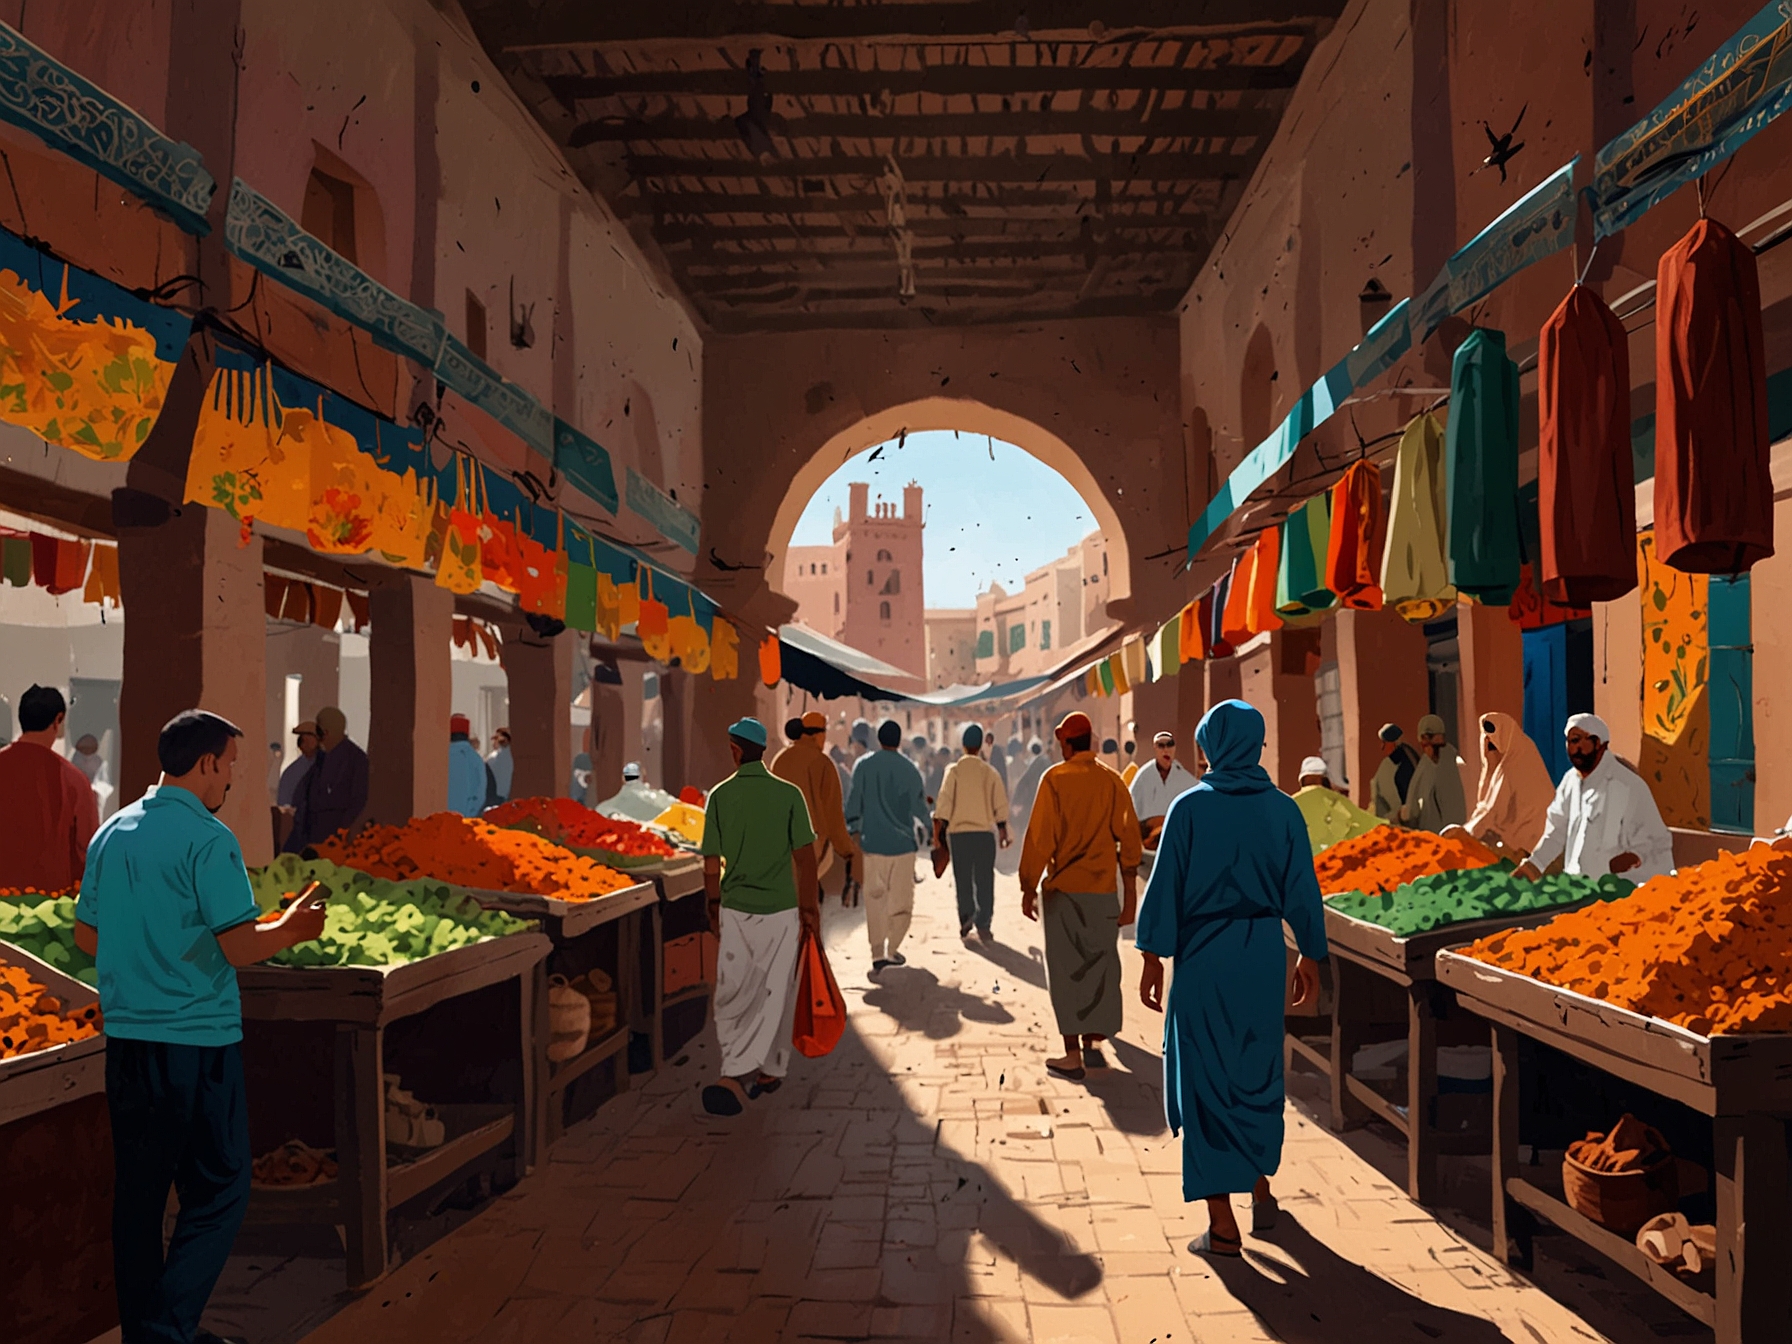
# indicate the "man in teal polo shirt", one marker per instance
pixel 759 877
pixel 166 887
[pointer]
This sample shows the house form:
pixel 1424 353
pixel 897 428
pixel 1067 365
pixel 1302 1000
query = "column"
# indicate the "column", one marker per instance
pixel 196 639
pixel 1154 707
pixel 709 706
pixel 1277 677
pixel 607 742
pixel 411 697
pixel 1492 650
pixel 540 675
pixel 1381 679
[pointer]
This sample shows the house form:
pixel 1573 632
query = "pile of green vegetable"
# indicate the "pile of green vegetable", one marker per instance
pixel 44 926
pixel 1442 899
pixel 374 922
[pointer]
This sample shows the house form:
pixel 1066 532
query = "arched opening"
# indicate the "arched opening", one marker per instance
pixel 1257 389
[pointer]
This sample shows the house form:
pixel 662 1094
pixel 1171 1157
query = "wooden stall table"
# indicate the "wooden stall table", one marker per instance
pixel 363 1003
pixel 56 1213
pixel 575 928
pixel 679 882
pixel 1362 954
pixel 1743 1083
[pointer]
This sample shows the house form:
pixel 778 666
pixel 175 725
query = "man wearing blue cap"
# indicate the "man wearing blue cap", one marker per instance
pixel 972 807
pixel 759 877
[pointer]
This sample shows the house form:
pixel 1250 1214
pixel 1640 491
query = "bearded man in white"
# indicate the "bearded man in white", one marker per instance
pixel 1604 819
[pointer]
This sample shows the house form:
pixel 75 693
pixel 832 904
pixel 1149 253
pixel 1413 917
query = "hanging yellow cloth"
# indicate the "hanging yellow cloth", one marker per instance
pixel 1415 573
pixel 724 651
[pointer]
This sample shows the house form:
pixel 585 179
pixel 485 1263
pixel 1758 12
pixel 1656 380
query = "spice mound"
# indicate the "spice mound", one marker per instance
pixel 1389 857
pixel 468 853
pixel 1631 1146
pixel 33 1019
pixel 1708 948
pixel 295 1163
pixel 568 822
pixel 1443 899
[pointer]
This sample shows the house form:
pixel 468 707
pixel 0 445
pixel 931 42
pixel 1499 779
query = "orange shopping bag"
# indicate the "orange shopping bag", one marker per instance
pixel 820 1010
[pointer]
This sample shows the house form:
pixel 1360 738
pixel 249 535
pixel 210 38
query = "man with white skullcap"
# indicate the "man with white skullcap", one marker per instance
pixel 1604 819
pixel 1155 786
pixel 1330 816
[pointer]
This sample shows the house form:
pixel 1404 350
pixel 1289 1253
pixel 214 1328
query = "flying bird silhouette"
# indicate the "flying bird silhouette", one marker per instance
pixel 1503 148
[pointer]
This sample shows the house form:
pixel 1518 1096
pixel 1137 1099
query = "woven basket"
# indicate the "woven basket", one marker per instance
pixel 569 1020
pixel 1622 1200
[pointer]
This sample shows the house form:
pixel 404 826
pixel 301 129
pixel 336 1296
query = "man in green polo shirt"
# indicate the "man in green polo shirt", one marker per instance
pixel 167 913
pixel 759 877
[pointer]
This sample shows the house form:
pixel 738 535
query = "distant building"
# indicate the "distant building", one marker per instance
pixel 1026 634
pixel 865 590
pixel 951 647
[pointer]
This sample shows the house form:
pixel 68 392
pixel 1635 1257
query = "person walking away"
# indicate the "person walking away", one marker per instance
pixel 1515 791
pixel 333 795
pixel 167 913
pixel 1434 798
pixel 87 759
pixel 1604 819
pixel 934 775
pixel 971 816
pixel 467 773
pixel 998 758
pixel 804 764
pixel 1393 777
pixel 883 809
pixel 1082 829
pixel 759 879
pixel 1329 815
pixel 49 806
pixel 1155 786
pixel 1234 864
pixel 503 766
pixel 1030 769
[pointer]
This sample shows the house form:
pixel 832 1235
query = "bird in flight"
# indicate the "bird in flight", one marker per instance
pixel 1503 148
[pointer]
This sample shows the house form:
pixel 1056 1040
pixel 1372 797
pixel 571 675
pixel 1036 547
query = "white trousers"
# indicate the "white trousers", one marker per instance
pixel 755 1001
pixel 889 900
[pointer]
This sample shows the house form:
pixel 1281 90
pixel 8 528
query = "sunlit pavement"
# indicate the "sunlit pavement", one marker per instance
pixel 930 1181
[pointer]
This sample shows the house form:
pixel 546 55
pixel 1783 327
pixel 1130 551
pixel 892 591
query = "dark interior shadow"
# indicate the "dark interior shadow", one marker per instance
pixel 918 1002
pixel 1306 1293
pixel 1028 966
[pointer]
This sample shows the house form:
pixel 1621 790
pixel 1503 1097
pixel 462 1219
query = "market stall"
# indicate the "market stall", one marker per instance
pixel 684 931
pixel 1399 897
pixel 1679 995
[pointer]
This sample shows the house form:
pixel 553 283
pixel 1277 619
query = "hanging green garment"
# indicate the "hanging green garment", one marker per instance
pixel 1481 469
pixel 15 561
pixel 1300 578
pixel 1415 576
pixel 1168 649
pixel 581 597
pixel 1106 671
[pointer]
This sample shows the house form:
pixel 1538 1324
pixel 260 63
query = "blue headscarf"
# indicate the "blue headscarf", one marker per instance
pixel 1231 737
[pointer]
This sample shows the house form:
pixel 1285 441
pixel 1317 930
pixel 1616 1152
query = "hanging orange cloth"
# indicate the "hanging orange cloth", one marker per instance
pixel 771 660
pixel 326 606
pixel 1713 479
pixel 102 579
pixel 1358 538
pixel 724 651
pixel 458 568
pixel 297 606
pixel 1260 611
pixel 1235 625
pixel 68 569
pixel 1191 637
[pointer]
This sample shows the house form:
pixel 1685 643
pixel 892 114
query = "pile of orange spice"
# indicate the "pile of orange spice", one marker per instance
pixel 452 848
pixel 1389 857
pixel 570 822
pixel 33 1019
pixel 1708 948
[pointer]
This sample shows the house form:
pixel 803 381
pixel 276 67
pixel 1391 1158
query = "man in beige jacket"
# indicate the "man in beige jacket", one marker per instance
pixel 971 811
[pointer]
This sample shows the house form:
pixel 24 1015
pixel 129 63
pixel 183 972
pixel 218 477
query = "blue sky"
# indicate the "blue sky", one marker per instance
pixel 986 519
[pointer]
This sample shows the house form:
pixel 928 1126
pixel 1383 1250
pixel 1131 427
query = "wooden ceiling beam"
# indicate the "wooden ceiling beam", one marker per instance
pixel 1176 123
pixel 929 274
pixel 947 80
pixel 704 204
pixel 578 23
pixel 1158 166
pixel 1015 228
pixel 927 252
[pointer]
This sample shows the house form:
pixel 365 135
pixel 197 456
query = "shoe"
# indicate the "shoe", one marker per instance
pixel 986 935
pixel 1207 1243
pixel 1057 1070
pixel 878 963
pixel 1093 1058
pixel 719 1099
pixel 896 959
pixel 765 1085
pixel 964 931
pixel 1263 1215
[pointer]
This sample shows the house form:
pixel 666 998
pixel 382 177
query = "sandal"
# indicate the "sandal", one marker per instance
pixel 1263 1214
pixel 728 1098
pixel 1227 1248
pixel 765 1085
pixel 1061 1070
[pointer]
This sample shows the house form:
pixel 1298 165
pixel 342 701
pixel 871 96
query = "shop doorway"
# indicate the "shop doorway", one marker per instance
pixel 93 709
pixel 1732 701
pixel 1443 675
pixel 1558 682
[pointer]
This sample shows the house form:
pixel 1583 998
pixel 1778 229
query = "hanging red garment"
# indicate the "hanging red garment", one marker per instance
pixel 43 560
pixel 1530 610
pixel 1586 483
pixel 1713 482
pixel 1358 537
pixel 1235 626
pixel 69 569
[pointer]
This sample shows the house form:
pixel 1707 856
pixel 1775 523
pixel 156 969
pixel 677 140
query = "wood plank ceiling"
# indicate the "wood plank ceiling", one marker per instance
pixel 914 162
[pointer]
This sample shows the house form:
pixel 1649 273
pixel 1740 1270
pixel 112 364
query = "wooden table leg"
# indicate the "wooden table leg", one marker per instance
pixel 1512 1224
pixel 628 990
pixel 1421 1091
pixel 1347 1035
pixel 653 967
pixel 361 1149
pixel 532 1047
pixel 1754 1229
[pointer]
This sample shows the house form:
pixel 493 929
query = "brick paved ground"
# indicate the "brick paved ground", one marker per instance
pixel 928 1181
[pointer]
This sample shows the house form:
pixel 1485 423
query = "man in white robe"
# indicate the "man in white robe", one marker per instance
pixel 1604 819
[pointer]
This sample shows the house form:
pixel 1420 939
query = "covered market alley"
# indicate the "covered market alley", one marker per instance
pixel 431 388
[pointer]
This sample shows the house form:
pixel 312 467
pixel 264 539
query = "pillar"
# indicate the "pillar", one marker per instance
pixel 1618 670
pixel 1154 707
pixel 1617 655
pixel 1381 679
pixel 195 640
pixel 540 675
pixel 1191 704
pixel 411 697
pixel 709 707
pixel 1277 677
pixel 607 740
pixel 675 744
pixel 1492 651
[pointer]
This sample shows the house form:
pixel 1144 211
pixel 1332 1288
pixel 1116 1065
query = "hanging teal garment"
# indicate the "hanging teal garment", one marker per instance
pixel 1481 470
pixel 1300 576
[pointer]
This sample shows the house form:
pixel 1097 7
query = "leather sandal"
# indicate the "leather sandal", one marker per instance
pixel 1228 1248
pixel 1263 1214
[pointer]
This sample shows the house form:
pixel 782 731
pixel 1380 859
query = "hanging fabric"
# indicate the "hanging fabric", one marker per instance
pixel 1586 481
pixel 1105 670
pixel 1120 682
pixel 581 596
pixel 770 659
pixel 724 651
pixel 1300 580
pixel 1167 649
pixel 1235 624
pixel 459 569
pixel 69 568
pixel 1092 681
pixel 1415 579
pixel 1481 469
pixel 102 578
pixel 359 609
pixel 652 625
pixel 15 558
pixel 1358 538
pixel 1713 478
pixel 326 606
pixel 1266 565
pixel 1132 659
pixel 1191 636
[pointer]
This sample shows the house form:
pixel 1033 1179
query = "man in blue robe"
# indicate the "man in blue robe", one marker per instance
pixel 1234 862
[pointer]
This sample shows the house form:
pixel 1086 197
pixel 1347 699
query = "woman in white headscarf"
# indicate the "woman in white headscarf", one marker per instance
pixel 1513 801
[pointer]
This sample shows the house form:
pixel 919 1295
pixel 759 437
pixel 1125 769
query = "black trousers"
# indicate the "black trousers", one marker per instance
pixel 180 1118
pixel 974 868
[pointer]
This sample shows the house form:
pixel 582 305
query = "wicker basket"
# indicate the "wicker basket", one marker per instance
pixel 569 1020
pixel 1622 1200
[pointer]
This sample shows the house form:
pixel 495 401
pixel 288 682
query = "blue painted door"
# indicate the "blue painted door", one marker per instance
pixel 1731 692
pixel 1546 694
